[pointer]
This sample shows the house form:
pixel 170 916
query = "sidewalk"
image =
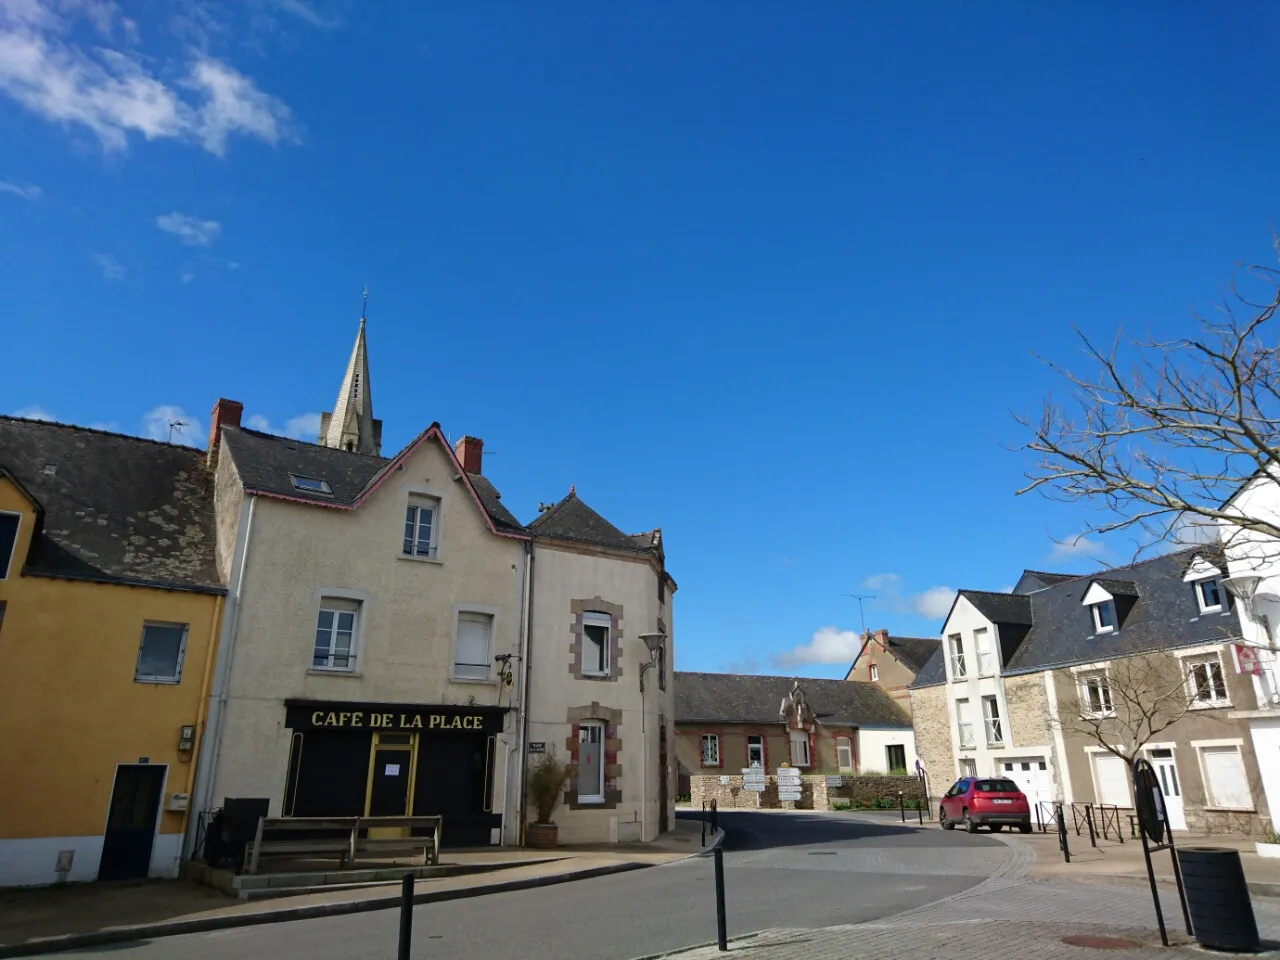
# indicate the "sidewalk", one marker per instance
pixel 46 919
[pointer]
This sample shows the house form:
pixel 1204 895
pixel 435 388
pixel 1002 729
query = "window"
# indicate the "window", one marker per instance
pixel 844 754
pixel 964 725
pixel 969 768
pixel 595 643
pixel 335 635
pixel 1209 595
pixel 1095 695
pixel 310 485
pixel 591 762
pixel 799 748
pixel 1104 616
pixel 755 751
pixel 986 658
pixel 1208 685
pixel 711 750
pixel 160 654
pixel 8 539
pixel 896 755
pixel 471 652
pixel 958 668
pixel 991 714
pixel 1224 777
pixel 420 529
pixel 875 673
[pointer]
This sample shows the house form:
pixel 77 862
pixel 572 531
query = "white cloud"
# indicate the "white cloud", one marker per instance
pixel 186 277
pixel 1077 546
pixel 306 13
pixel 827 645
pixel 30 192
pixel 186 429
pixel 116 93
pixel 933 603
pixel 880 581
pixel 35 413
pixel 192 231
pixel 111 268
pixel 302 427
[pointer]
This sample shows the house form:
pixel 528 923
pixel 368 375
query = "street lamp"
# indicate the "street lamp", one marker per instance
pixel 1245 588
pixel 653 643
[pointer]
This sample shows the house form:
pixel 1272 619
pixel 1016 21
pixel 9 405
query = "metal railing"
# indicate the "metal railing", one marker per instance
pixel 958 665
pixel 995 732
pixel 966 736
pixel 1094 818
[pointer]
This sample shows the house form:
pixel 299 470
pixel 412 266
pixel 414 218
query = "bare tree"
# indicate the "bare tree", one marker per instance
pixel 1164 432
pixel 1130 703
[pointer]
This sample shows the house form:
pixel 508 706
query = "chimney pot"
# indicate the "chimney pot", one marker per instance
pixel 226 413
pixel 470 452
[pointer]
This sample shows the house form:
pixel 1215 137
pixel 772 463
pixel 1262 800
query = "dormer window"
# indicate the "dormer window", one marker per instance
pixel 1205 578
pixel 310 485
pixel 1104 616
pixel 1209 595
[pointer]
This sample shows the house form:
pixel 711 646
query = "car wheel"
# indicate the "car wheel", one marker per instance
pixel 943 821
pixel 1024 827
pixel 969 825
pixel 997 827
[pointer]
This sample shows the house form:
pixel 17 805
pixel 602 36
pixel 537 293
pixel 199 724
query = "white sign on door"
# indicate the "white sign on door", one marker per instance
pixel 393 770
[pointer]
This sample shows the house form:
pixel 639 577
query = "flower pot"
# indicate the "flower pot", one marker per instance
pixel 1267 849
pixel 542 836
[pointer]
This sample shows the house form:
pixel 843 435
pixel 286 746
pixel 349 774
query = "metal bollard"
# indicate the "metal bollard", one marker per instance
pixel 704 823
pixel 902 807
pixel 722 937
pixel 920 811
pixel 406 915
pixel 1088 819
pixel 1062 836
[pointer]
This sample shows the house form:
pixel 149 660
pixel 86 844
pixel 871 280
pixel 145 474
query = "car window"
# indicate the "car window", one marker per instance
pixel 995 786
pixel 957 788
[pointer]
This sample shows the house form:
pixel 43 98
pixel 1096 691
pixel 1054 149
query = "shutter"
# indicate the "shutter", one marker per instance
pixel 472 659
pixel 1113 780
pixel 1225 773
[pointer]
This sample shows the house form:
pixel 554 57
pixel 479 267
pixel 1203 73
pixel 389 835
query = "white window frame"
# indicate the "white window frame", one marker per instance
pixel 597 619
pixel 955 653
pixel 1096 610
pixel 979 636
pixel 324 490
pixel 418 502
pixel 844 745
pixel 711 740
pixel 470 612
pixel 597 797
pixel 353 656
pixel 800 738
pixel 1236 742
pixel 875 673
pixel 760 744
pixel 176 678
pixel 963 724
pixel 1199 586
pixel 888 761
pixel 993 721
pixel 1084 678
pixel 6 563
pixel 1189 663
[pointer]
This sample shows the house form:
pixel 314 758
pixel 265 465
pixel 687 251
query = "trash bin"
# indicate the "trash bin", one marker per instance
pixel 1218 898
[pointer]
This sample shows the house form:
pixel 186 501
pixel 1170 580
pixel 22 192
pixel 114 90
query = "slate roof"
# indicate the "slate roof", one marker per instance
pixel 265 462
pixel 1032 580
pixel 1163 615
pixel 115 508
pixel 932 673
pixel 1000 607
pixel 914 652
pixel 748 698
pixel 571 519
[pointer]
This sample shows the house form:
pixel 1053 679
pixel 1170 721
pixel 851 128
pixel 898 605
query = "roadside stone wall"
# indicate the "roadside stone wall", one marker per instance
pixel 814 792
pixel 1028 711
pixel 932 725
pixel 868 789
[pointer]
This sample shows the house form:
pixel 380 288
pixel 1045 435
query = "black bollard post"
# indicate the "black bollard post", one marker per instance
pixel 902 807
pixel 722 937
pixel 920 811
pixel 704 823
pixel 1063 844
pixel 406 915
pixel 1088 819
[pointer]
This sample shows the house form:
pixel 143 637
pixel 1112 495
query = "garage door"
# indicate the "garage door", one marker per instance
pixel 1031 774
pixel 1113 779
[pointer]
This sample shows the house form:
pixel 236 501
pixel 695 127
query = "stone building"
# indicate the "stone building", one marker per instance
pixel 892 663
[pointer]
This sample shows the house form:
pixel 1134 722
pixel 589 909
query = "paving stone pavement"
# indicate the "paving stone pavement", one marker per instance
pixel 1007 915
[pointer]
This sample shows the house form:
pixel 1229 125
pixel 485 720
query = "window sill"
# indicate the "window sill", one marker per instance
pixel 416 559
pixel 489 681
pixel 1210 705
pixel 162 681
pixel 1208 809
pixel 591 801
pixel 1106 715
pixel 322 672
pixel 594 676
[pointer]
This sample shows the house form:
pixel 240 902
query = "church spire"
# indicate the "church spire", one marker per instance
pixel 350 425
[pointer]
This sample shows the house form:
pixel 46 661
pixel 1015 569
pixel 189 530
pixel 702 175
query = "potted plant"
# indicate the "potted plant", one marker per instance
pixel 1269 847
pixel 547 778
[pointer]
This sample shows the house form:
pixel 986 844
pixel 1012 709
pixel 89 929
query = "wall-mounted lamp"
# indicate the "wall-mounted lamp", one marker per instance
pixel 653 642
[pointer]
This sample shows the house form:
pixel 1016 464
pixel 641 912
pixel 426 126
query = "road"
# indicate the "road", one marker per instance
pixel 799 870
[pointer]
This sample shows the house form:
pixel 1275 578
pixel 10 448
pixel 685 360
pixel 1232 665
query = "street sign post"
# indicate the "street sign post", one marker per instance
pixel 789 786
pixel 753 778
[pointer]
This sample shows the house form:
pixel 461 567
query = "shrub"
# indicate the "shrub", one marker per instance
pixel 839 804
pixel 869 772
pixel 547 778
pixel 857 804
pixel 898 772
pixel 883 803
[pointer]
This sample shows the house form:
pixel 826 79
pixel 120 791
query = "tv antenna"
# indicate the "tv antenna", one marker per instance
pixel 176 425
pixel 861 613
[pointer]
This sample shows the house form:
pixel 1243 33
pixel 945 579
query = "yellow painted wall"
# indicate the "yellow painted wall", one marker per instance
pixel 69 707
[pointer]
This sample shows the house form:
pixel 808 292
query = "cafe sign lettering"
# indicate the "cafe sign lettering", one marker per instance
pixel 395 721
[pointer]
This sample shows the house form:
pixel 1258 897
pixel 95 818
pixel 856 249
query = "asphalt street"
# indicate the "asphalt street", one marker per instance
pixel 794 870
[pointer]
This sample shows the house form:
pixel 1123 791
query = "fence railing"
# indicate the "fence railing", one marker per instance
pixel 958 665
pixel 966 736
pixel 1094 819
pixel 995 732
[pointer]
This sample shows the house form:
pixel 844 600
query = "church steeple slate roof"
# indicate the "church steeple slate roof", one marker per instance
pixel 351 425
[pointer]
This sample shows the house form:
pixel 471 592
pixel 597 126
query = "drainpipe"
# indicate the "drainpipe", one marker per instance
pixel 523 719
pixel 207 762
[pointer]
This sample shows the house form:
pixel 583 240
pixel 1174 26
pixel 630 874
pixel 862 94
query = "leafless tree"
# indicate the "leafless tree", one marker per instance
pixel 1163 432
pixel 1125 707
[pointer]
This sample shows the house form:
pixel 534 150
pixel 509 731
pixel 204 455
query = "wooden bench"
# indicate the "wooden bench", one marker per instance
pixel 341 844
pixel 389 846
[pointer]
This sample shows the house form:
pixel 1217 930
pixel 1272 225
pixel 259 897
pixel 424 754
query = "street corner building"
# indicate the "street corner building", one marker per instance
pixel 110 602
pixel 1054 684
pixel 602 696
pixel 727 723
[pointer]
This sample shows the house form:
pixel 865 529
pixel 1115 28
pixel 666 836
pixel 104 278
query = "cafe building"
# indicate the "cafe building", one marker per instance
pixel 371 646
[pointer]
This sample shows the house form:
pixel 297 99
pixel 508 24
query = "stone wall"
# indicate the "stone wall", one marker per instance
pixel 815 794
pixel 1028 711
pixel 932 723
pixel 869 789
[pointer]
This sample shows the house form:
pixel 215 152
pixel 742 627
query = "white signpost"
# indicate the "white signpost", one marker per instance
pixel 753 778
pixel 789 783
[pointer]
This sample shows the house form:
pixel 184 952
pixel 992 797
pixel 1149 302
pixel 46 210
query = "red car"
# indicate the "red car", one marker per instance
pixel 985 802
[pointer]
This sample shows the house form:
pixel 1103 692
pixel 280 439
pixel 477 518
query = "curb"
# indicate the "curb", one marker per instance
pixel 76 941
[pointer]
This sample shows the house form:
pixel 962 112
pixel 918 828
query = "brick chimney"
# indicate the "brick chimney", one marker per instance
pixel 882 638
pixel 226 413
pixel 469 451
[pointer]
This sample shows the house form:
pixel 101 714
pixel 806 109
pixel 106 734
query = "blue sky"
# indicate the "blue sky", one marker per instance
pixel 769 276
